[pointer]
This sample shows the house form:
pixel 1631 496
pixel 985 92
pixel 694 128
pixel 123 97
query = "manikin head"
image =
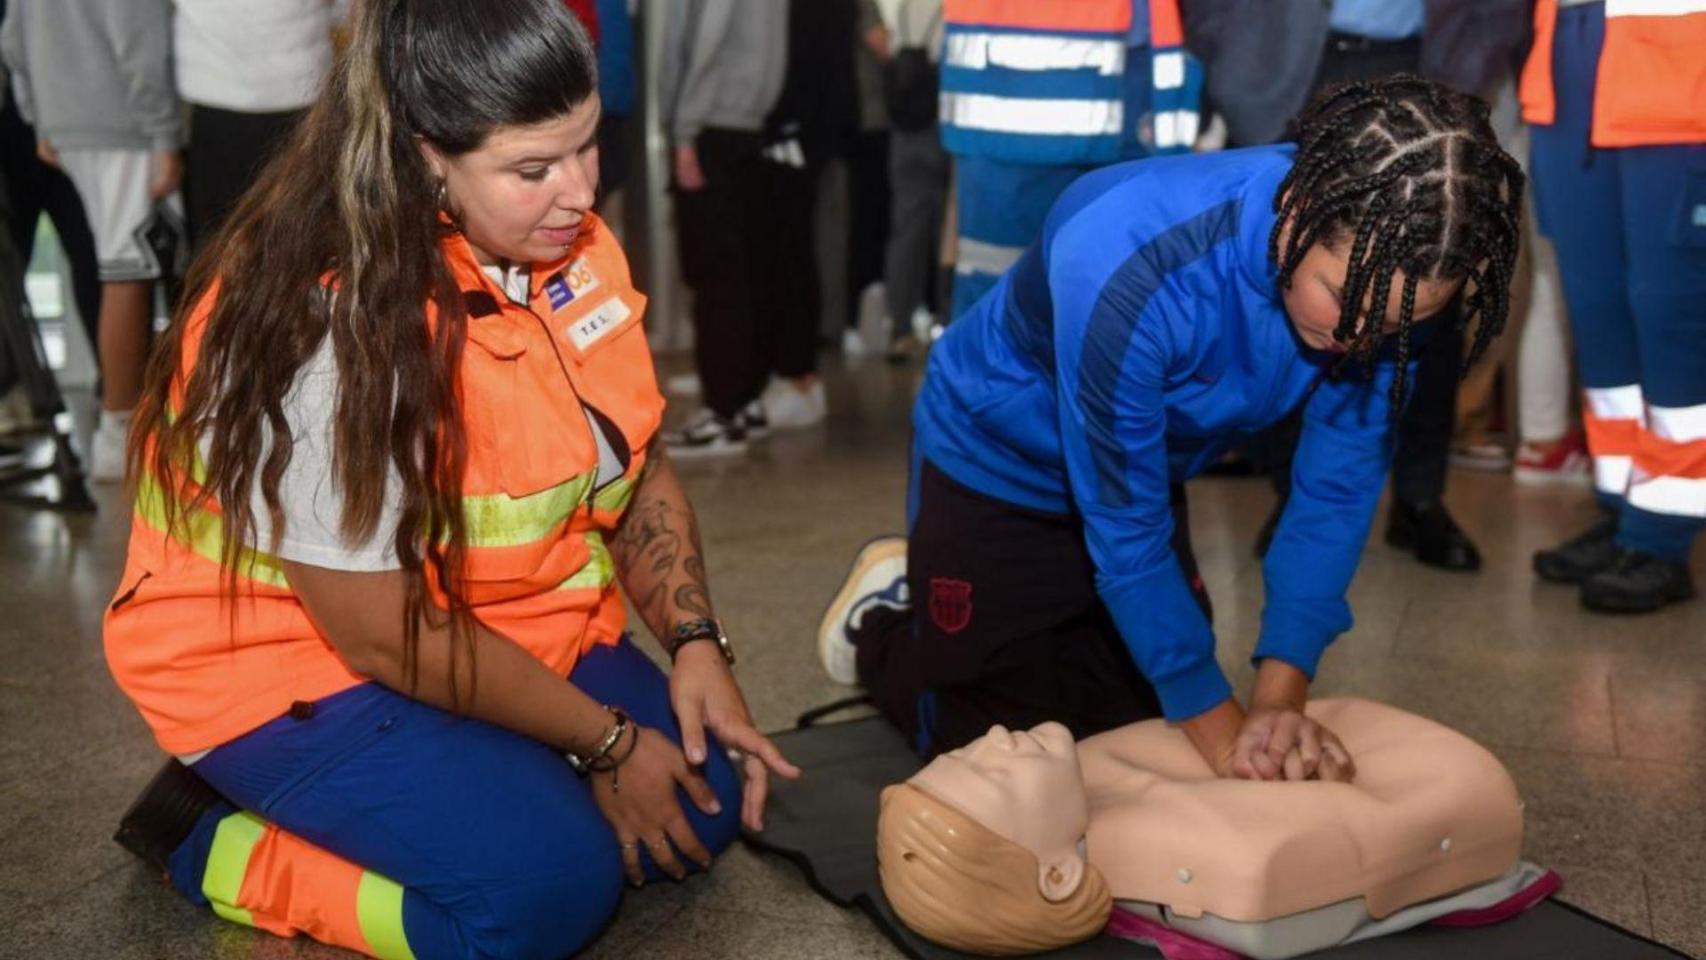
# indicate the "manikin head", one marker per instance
pixel 981 850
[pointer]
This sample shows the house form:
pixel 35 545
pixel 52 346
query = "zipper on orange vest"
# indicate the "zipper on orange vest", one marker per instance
pixel 580 401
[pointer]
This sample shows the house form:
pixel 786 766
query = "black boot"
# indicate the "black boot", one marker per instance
pixel 1637 582
pixel 1428 531
pixel 1582 556
pixel 163 816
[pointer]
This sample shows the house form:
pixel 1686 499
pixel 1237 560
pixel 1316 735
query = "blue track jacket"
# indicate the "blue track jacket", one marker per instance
pixel 1141 337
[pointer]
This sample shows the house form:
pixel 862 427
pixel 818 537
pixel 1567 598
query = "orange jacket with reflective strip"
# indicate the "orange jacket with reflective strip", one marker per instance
pixel 538 570
pixel 1651 88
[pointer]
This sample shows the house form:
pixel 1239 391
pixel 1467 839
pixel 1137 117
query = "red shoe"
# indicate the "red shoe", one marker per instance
pixel 1564 464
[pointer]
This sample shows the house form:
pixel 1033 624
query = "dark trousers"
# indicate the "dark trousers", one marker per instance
pixel 1005 625
pixel 918 175
pixel 1424 433
pixel 32 189
pixel 227 151
pixel 868 202
pixel 748 253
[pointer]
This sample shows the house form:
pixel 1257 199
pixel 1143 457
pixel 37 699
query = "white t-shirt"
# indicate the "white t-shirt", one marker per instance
pixel 253 56
pixel 309 494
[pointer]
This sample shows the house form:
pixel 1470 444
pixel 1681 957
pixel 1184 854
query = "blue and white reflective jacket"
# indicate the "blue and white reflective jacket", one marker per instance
pixel 1066 82
pixel 1141 337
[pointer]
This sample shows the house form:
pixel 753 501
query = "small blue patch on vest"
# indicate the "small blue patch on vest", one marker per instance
pixel 1700 215
pixel 558 289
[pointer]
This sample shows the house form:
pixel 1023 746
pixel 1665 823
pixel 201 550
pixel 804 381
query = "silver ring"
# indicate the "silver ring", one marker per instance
pixel 630 846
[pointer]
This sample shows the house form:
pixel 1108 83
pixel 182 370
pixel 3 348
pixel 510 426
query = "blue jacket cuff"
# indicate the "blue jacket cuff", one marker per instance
pixel 1192 691
pixel 1299 632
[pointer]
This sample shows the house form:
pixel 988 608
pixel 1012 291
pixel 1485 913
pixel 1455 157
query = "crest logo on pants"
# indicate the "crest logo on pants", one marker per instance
pixel 950 604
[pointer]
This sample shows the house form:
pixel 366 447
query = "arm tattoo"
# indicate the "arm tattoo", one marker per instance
pixel 658 554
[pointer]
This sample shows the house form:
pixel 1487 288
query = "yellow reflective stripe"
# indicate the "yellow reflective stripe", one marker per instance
pixel 614 498
pixel 200 532
pixel 228 863
pixel 499 520
pixel 379 909
pixel 599 570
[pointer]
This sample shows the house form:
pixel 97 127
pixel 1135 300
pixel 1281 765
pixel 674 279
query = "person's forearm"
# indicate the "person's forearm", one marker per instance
pixel 659 561
pixel 489 678
pixel 1215 732
pixel 1279 684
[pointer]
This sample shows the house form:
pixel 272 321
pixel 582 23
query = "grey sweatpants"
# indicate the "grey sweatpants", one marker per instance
pixel 918 180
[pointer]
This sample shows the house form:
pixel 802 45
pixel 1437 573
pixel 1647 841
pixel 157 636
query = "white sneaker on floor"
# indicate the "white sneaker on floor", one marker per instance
pixel 872 324
pixel 106 451
pixel 877 579
pixel 853 345
pixel 706 435
pixel 790 408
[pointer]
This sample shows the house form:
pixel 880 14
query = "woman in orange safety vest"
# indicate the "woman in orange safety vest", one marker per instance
pixel 393 465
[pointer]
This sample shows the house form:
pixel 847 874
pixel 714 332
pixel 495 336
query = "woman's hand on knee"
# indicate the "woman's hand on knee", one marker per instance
pixel 705 697
pixel 638 798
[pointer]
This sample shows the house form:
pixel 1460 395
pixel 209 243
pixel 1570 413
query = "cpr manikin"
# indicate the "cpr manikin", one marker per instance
pixel 1134 815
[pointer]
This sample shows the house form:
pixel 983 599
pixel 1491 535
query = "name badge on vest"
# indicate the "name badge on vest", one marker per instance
pixel 604 319
pixel 571 284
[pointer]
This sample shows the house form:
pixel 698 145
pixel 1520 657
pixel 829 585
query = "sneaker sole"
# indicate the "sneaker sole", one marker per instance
pixel 1529 477
pixel 708 452
pixel 874 551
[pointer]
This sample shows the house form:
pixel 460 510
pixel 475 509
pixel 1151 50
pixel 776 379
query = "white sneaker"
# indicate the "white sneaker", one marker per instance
pixel 878 579
pixel 853 345
pixel 790 408
pixel 706 435
pixel 872 324
pixel 106 449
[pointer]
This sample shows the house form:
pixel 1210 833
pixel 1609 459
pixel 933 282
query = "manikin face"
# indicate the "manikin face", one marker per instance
pixel 1314 302
pixel 522 195
pixel 1024 786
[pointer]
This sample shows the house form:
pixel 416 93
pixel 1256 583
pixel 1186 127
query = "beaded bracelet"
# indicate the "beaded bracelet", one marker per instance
pixel 584 765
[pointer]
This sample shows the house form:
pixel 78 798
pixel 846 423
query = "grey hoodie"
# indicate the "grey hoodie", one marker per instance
pixel 723 64
pixel 93 73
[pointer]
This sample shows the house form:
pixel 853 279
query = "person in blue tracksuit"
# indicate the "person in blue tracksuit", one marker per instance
pixel 1172 307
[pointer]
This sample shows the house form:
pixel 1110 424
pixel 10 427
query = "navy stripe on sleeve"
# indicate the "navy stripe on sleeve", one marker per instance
pixel 1113 321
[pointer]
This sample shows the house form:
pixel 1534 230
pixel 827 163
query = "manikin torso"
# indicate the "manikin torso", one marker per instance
pixel 1430 813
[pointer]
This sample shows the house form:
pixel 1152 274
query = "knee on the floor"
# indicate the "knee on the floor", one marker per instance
pixel 549 910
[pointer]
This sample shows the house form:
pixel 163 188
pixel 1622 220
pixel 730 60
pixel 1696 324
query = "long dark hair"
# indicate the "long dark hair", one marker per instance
pixel 1410 174
pixel 351 198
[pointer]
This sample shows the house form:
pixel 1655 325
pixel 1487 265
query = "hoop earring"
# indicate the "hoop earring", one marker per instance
pixel 441 199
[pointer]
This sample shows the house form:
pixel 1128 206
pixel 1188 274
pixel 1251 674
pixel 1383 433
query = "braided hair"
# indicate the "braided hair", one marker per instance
pixel 1410 174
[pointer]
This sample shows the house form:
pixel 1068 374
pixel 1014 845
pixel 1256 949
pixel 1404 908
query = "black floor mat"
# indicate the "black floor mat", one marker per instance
pixel 827 824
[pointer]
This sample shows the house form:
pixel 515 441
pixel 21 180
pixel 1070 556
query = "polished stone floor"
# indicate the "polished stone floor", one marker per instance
pixel 1602 722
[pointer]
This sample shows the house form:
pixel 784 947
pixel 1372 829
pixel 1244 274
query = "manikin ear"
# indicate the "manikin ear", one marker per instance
pixel 1060 876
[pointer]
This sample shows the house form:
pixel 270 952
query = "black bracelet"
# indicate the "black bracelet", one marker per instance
pixel 584 765
pixel 613 765
pixel 692 631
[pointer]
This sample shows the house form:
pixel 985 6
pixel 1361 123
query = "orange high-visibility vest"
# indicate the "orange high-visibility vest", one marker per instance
pixel 1651 87
pixel 204 667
